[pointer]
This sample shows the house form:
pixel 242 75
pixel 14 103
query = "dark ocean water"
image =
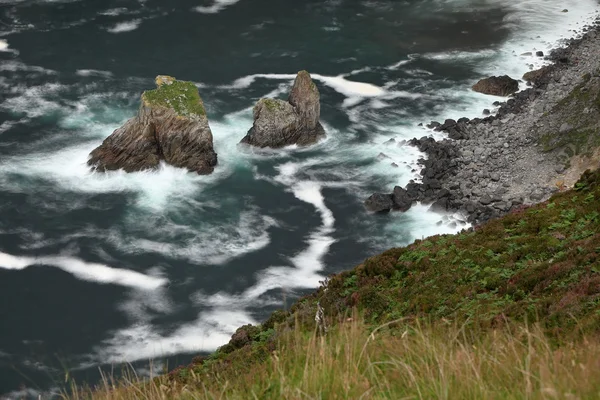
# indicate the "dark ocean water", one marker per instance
pixel 97 270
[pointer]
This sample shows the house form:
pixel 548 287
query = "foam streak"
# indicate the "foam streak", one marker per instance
pixel 92 272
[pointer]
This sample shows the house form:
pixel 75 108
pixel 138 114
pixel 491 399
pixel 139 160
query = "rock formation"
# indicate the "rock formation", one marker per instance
pixel 539 141
pixel 533 77
pixel 399 200
pixel 279 123
pixel 171 125
pixel 497 86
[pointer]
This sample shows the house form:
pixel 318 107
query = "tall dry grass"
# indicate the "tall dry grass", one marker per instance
pixel 408 361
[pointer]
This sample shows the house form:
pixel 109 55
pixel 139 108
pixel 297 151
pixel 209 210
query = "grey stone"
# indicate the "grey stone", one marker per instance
pixel 401 199
pixel 379 202
pixel 565 127
pixel 278 123
pixel 179 136
pixel 485 200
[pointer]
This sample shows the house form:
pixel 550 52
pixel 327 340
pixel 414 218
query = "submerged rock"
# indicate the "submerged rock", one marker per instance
pixel 171 125
pixel 497 85
pixel 279 123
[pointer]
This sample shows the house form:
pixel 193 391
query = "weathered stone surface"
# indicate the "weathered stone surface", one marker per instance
pixel 171 125
pixel 497 85
pixel 379 202
pixel 537 74
pixel 401 198
pixel 278 123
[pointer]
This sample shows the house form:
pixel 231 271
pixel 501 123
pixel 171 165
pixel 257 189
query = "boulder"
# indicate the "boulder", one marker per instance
pixel 497 86
pixel 536 75
pixel 379 202
pixel 440 205
pixel 171 125
pixel 402 200
pixel 279 123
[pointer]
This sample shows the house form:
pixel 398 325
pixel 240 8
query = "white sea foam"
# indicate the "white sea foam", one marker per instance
pixel 94 72
pixel 142 341
pixel 33 101
pixel 203 243
pixel 115 11
pixel 217 6
pixel 338 83
pixel 536 25
pixel 3 45
pixel 12 65
pixel 68 168
pixel 213 328
pixel 93 272
pixel 127 26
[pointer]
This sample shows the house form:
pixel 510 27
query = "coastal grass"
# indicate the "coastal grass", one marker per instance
pixel 404 360
pixel 507 310
pixel 181 96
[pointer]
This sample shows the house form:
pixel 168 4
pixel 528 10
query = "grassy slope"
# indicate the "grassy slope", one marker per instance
pixel 457 313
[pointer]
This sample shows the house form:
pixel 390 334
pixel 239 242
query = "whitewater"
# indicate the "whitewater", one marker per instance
pixel 103 269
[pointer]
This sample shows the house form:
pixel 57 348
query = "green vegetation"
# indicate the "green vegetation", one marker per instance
pixel 273 104
pixel 181 96
pixel 412 361
pixel 509 310
pixel 584 136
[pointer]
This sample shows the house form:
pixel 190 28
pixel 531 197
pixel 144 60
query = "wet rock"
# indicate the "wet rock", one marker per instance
pixel 497 85
pixel 401 198
pixel 379 202
pixel 433 125
pixel 278 123
pixel 171 125
pixel 440 205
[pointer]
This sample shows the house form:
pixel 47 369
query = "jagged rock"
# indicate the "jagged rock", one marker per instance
pixel 401 198
pixel 379 202
pixel 171 125
pixel 497 85
pixel 535 75
pixel 440 205
pixel 278 123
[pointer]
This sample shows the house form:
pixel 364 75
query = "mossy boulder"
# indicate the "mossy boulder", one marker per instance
pixel 279 123
pixel 171 125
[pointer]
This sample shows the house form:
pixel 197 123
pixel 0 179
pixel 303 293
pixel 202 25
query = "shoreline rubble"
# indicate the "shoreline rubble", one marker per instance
pixel 527 151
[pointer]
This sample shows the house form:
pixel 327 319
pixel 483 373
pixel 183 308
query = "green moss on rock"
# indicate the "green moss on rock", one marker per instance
pixel 273 104
pixel 181 96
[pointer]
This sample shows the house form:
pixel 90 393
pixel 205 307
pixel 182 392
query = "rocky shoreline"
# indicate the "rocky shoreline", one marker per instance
pixel 538 142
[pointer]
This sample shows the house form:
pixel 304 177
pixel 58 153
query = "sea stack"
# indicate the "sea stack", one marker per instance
pixel 279 123
pixel 171 125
